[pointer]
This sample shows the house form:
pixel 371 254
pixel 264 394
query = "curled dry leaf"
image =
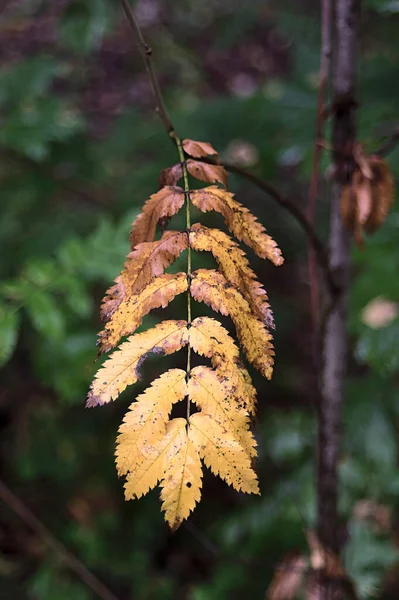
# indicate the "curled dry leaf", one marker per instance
pixel 122 368
pixel 207 172
pixel 143 264
pixel 198 149
pixel 164 204
pixel 239 221
pixel 158 293
pixel 234 265
pixel 367 200
pixel 211 287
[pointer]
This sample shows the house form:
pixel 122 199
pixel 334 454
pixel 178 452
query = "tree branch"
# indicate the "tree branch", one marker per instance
pixel 66 556
pixel 334 349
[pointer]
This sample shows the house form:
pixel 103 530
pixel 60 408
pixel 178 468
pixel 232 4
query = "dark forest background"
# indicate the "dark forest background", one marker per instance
pixel 80 151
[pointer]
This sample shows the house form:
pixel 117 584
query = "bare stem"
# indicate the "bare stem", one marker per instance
pixel 146 53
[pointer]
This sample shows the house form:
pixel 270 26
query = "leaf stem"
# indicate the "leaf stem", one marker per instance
pixel 188 225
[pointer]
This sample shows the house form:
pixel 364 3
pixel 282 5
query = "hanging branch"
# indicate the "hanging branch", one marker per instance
pixel 302 220
pixel 334 350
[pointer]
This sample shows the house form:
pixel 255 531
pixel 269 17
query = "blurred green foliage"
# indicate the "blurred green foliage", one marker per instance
pixel 81 150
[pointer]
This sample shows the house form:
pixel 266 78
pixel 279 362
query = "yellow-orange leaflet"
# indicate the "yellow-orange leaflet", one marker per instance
pixel 123 366
pixel 211 287
pixel 145 423
pixel 239 220
pixel 158 293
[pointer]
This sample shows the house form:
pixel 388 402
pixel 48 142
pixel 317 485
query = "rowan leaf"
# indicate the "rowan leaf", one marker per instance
pixel 198 149
pixel 146 261
pixel 182 481
pixel 222 453
pixel 145 423
pixel 122 368
pixel 209 338
pixel 130 313
pixel 152 466
pixel 164 204
pixel 234 265
pixel 207 172
pixel 217 398
pixel 211 287
pixel 239 220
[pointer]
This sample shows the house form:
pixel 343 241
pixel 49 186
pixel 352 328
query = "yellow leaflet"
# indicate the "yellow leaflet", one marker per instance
pixel 211 287
pixel 145 423
pixel 122 368
pixel 235 267
pixel 217 399
pixel 239 220
pixel 154 463
pixel 209 338
pixel 129 315
pixel 182 480
pixel 222 453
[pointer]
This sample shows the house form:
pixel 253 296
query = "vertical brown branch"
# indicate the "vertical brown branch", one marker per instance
pixel 346 17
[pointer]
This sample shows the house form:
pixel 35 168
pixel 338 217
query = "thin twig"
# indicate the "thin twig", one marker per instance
pixel 45 534
pixel 146 53
pixel 325 56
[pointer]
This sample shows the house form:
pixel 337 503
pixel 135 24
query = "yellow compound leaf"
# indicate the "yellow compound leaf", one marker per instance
pixel 159 207
pixel 211 287
pixel 239 220
pixel 182 480
pixel 148 260
pixel 145 423
pixel 153 464
pixel 217 398
pixel 130 313
pixel 198 149
pixel 222 453
pixel 209 338
pixel 234 265
pixel 122 368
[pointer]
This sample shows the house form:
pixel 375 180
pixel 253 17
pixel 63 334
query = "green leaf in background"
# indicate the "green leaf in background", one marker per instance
pixel 9 326
pixel 46 316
